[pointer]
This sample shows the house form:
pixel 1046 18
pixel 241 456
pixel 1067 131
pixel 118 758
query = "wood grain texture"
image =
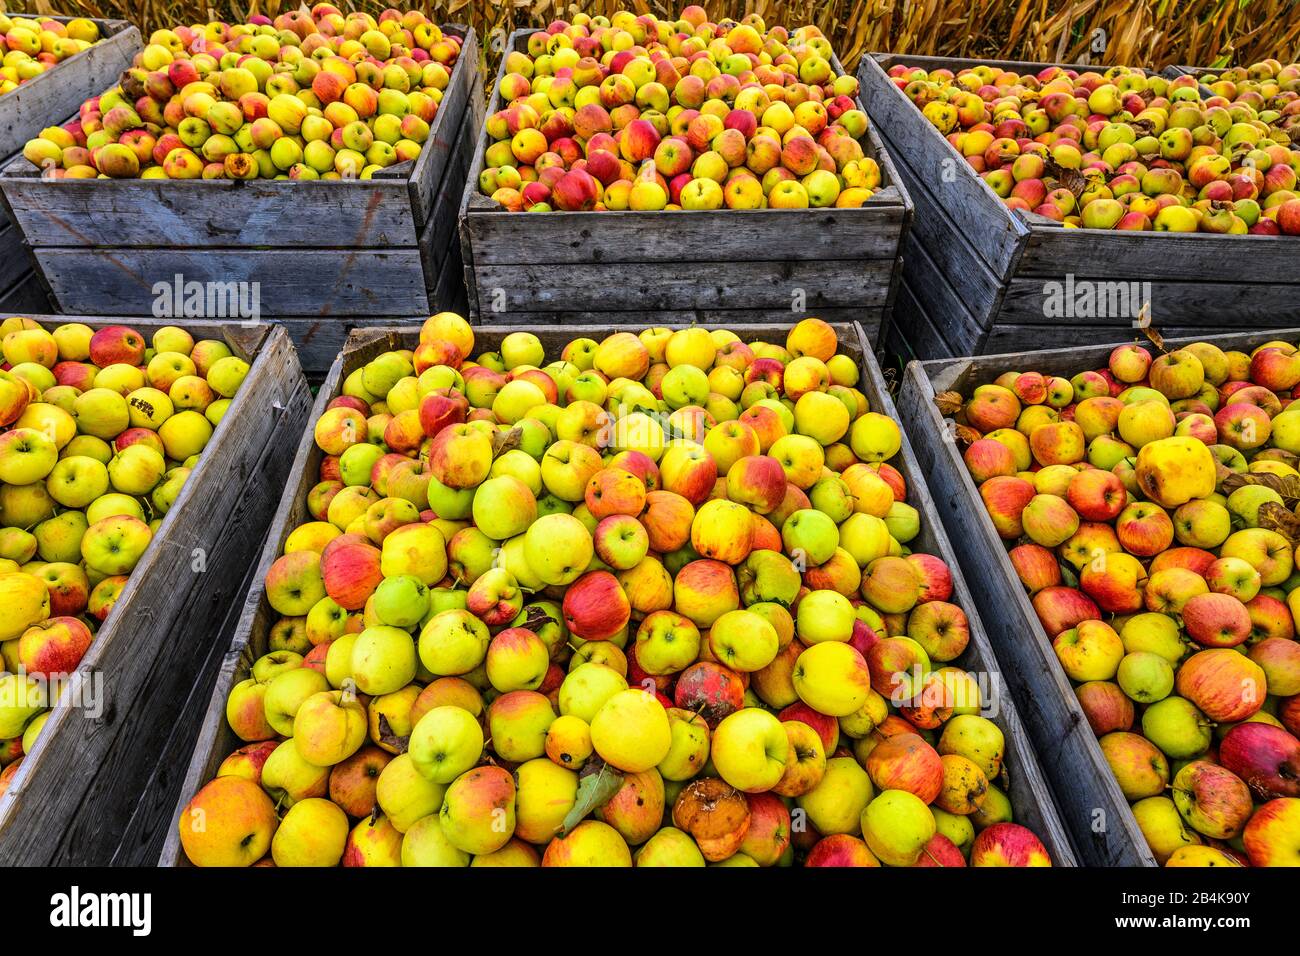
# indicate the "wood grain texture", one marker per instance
pixel 692 242
pixel 75 794
pixel 1027 787
pixel 57 93
pixel 917 147
pixel 742 284
pixel 1217 307
pixel 298 282
pixel 217 213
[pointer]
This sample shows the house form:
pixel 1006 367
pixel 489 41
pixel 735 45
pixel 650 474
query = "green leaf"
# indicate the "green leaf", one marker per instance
pixel 597 785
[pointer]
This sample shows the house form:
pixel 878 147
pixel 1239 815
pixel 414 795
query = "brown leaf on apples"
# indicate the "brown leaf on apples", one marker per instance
pixel 536 618
pixel 949 403
pixel 1288 486
pixel 1150 331
pixel 966 435
pixel 1143 127
pixel 1071 179
pixel 503 442
pixel 1276 517
pixel 597 784
pixel 389 738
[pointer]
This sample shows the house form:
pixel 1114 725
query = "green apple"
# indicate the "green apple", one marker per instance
pixel 287 777
pixel 824 616
pixel 329 727
pixel 503 507
pixel 424 844
pixel 586 689
pixel 356 463
pixel 517 659
pixel 286 693
pixel 448 502
pixel 453 643
pixel 1145 677
pixel 26 456
pixel 812 534
pixel 749 749
pixel 401 601
pixel 445 743
pixel 836 803
pixel 558 548
pixel 745 641
pixel 897 825
pixel 383 660
pixel 405 794
pixel 669 846
pixel 522 348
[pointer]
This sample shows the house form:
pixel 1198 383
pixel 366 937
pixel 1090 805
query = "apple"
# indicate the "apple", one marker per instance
pixel 1270 836
pixel 1212 800
pixel 478 810
pixel 897 826
pixel 328 727
pixel 1008 844
pixel 313 832
pixel 906 762
pixel 229 822
pixel 749 750
pixel 631 731
pixel 1267 758
pixel 1225 685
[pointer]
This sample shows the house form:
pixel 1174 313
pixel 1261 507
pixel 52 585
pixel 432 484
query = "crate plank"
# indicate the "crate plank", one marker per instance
pixel 58 92
pixel 504 238
pixel 654 285
pixel 1215 306
pixel 917 146
pixel 208 213
pixel 1028 790
pixel 73 795
pixel 298 282
pixel 1052 251
pixel 911 332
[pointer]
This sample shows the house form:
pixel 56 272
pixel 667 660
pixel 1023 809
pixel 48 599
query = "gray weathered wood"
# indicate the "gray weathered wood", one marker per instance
pixel 917 146
pixel 340 282
pixel 692 241
pixel 745 284
pixel 58 92
pixel 74 794
pixel 1030 796
pixel 1217 306
pixel 215 213
pixel 1095 812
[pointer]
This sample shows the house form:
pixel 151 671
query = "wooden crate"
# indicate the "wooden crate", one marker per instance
pixel 100 790
pixel 24 112
pixel 1095 812
pixel 982 275
pixel 1028 790
pixel 379 247
pixel 709 267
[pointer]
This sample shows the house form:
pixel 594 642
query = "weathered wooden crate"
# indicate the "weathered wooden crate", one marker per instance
pixel 24 112
pixel 705 266
pixel 99 789
pixel 1095 812
pixel 982 277
pixel 1027 787
pixel 379 247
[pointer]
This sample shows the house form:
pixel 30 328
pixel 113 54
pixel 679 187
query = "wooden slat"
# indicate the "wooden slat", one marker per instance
pixel 292 282
pixel 1028 338
pixel 75 792
pixel 439 236
pixel 208 213
pixel 57 93
pixel 1031 798
pixel 504 238
pixel 15 261
pixel 920 149
pixel 426 181
pixel 944 298
pixel 1218 307
pixel 1052 251
pixel 912 332
pixel 656 285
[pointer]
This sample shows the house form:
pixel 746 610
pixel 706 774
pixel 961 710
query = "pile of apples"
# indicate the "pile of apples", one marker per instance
pixel 303 96
pixel 633 112
pixel 30 46
pixel 1153 153
pixel 1147 505
pixel 650 602
pixel 100 430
